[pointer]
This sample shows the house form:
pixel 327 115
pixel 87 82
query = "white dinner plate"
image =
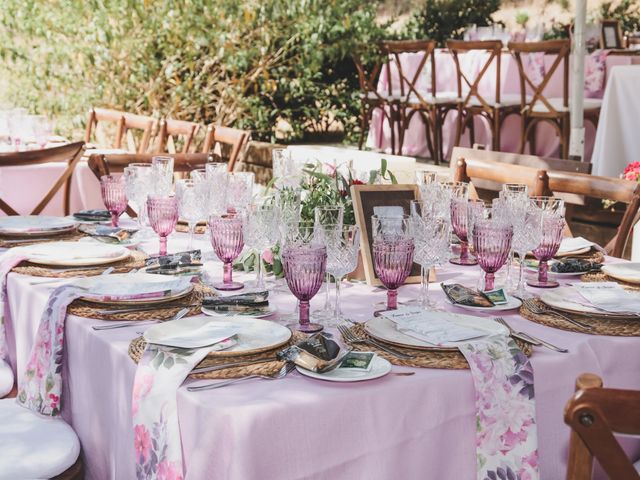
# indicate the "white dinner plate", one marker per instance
pixel 627 272
pixel 254 335
pixel 379 368
pixel 560 299
pixel 267 313
pixel 74 254
pixel 122 288
pixel 512 303
pixel 190 332
pixel 531 268
pixel 383 329
pixel 32 225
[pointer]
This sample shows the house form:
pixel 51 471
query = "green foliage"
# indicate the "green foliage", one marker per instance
pixel 442 20
pixel 522 18
pixel 627 12
pixel 251 63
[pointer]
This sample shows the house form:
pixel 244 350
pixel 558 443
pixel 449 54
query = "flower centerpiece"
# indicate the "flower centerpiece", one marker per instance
pixel 322 185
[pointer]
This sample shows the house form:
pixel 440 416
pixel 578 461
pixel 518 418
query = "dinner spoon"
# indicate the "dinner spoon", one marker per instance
pixel 177 316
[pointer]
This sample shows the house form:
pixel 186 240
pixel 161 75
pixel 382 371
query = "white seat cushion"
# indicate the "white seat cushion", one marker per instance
pixel 33 446
pixel 6 378
pixel 557 104
pixel 506 100
pixel 441 97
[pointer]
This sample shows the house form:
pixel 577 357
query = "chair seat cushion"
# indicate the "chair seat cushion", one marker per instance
pixel 6 378
pixel 637 465
pixel 557 104
pixel 506 100
pixel 34 446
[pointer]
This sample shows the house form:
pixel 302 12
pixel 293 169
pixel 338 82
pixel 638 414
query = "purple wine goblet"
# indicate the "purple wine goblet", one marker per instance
pixel 114 197
pixel 552 228
pixel 492 244
pixel 227 239
pixel 304 269
pixel 459 215
pixel 163 216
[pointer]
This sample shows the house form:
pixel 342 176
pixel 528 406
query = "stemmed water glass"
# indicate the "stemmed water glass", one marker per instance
pixel 260 234
pixel 459 204
pixel 227 239
pixel 492 243
pixel 287 172
pixel 527 234
pixel 163 216
pixel 163 174
pixel 326 220
pixel 239 190
pixel 553 223
pixel 114 197
pixel 512 199
pixel 304 260
pixel 431 238
pixel 343 248
pixel 192 204
pixel 138 179
pixel 215 178
pixel 393 249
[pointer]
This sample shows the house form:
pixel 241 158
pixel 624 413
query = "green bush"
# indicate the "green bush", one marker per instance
pixel 250 64
pixel 442 20
pixel 627 12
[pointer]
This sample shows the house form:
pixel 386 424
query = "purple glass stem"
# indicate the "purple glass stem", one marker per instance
pixel 227 273
pixel 163 245
pixel 464 251
pixel 543 271
pixel 392 299
pixel 114 219
pixel 489 279
pixel 303 307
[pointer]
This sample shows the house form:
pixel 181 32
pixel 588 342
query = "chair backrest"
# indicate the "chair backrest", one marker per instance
pixel 560 49
pixel 124 123
pixel 493 48
pixel 228 143
pixel 70 154
pixel 602 188
pixel 173 134
pixel 369 73
pixel 409 83
pixel 115 163
pixel 594 415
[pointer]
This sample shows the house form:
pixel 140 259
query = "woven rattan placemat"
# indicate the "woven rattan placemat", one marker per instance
pixel 601 325
pixel 424 358
pixel 137 346
pixel 164 311
pixel 603 277
pixel 135 260
pixel 10 242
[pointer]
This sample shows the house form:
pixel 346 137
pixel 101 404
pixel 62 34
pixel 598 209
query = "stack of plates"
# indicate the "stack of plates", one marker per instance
pixel 74 254
pixel 627 272
pixel 560 299
pixel 35 226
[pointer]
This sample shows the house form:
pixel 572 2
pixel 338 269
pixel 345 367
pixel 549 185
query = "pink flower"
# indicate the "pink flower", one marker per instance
pixel 54 400
pixel 267 256
pixel 141 387
pixel 142 442
pixel 168 471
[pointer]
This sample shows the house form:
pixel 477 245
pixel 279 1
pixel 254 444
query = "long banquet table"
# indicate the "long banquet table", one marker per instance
pixel 420 426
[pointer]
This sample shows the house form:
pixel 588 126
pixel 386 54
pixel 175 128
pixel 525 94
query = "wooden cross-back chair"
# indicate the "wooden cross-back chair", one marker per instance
pixel 124 123
pixel 228 143
pixel 582 185
pixel 595 414
pixel 495 108
pixel 70 154
pixel 372 99
pixel 412 100
pixel 173 133
pixel 538 107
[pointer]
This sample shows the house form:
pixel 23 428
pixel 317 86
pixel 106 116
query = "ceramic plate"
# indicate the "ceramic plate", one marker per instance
pixel 532 268
pixel 627 272
pixel 512 303
pixel 121 287
pixel 33 225
pixel 560 299
pixel 190 332
pixel 384 329
pixel 379 368
pixel 72 254
pixel 267 313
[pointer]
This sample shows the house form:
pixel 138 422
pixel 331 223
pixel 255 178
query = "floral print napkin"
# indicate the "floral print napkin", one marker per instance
pixel 506 435
pixel 9 259
pixel 534 65
pixel 595 70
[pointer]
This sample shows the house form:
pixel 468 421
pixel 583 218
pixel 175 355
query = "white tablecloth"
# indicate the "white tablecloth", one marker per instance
pixel 618 137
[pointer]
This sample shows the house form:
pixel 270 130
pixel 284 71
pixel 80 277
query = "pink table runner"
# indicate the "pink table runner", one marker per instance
pixel 393 427
pixel 415 141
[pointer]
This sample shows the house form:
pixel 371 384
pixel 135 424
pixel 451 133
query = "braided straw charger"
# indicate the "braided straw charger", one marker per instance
pixel 10 242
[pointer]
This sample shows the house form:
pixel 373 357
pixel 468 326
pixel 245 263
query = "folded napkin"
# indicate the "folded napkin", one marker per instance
pixel 243 303
pixel 610 297
pixel 506 431
pixel 436 328
pixel 134 289
pixel 65 251
pixel 93 215
pixel 112 234
pixel 571 244
pixel 187 258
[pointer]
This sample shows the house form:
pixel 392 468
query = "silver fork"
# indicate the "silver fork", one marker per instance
pixel 536 308
pixel 112 326
pixel 210 386
pixel 351 337
pixel 527 337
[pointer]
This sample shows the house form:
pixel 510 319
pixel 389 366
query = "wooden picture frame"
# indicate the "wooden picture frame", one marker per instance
pixel 610 35
pixel 365 198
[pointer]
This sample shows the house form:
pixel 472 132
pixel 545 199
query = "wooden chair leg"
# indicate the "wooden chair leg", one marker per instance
pixel 523 134
pixel 364 124
pixel 495 130
pixel 459 126
pixel 565 127
pixel 436 136
pixel 533 126
pixel 472 130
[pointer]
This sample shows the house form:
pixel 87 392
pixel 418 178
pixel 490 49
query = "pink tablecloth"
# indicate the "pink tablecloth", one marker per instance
pixel 421 426
pixel 415 144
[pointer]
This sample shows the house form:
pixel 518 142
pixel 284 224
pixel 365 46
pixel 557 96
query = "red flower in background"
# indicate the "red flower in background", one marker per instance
pixel 632 172
pixel 355 181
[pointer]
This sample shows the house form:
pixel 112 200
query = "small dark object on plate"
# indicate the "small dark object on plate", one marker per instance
pixel 93 215
pixel 188 258
pixel 254 299
pixel 574 265
pixel 465 296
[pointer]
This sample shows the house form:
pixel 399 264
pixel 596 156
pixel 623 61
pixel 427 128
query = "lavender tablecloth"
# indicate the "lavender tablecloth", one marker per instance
pixel 422 426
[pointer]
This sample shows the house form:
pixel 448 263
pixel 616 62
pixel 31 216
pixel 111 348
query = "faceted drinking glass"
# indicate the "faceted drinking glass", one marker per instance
pixel 492 243
pixel 552 228
pixel 114 197
pixel 163 216
pixel 227 239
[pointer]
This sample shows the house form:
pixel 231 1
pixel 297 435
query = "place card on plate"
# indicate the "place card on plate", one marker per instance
pixel 609 296
pixel 436 328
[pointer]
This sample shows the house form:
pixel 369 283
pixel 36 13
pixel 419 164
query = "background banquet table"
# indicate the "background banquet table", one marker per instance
pixel 446 81
pixel 393 427
pixel 617 141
